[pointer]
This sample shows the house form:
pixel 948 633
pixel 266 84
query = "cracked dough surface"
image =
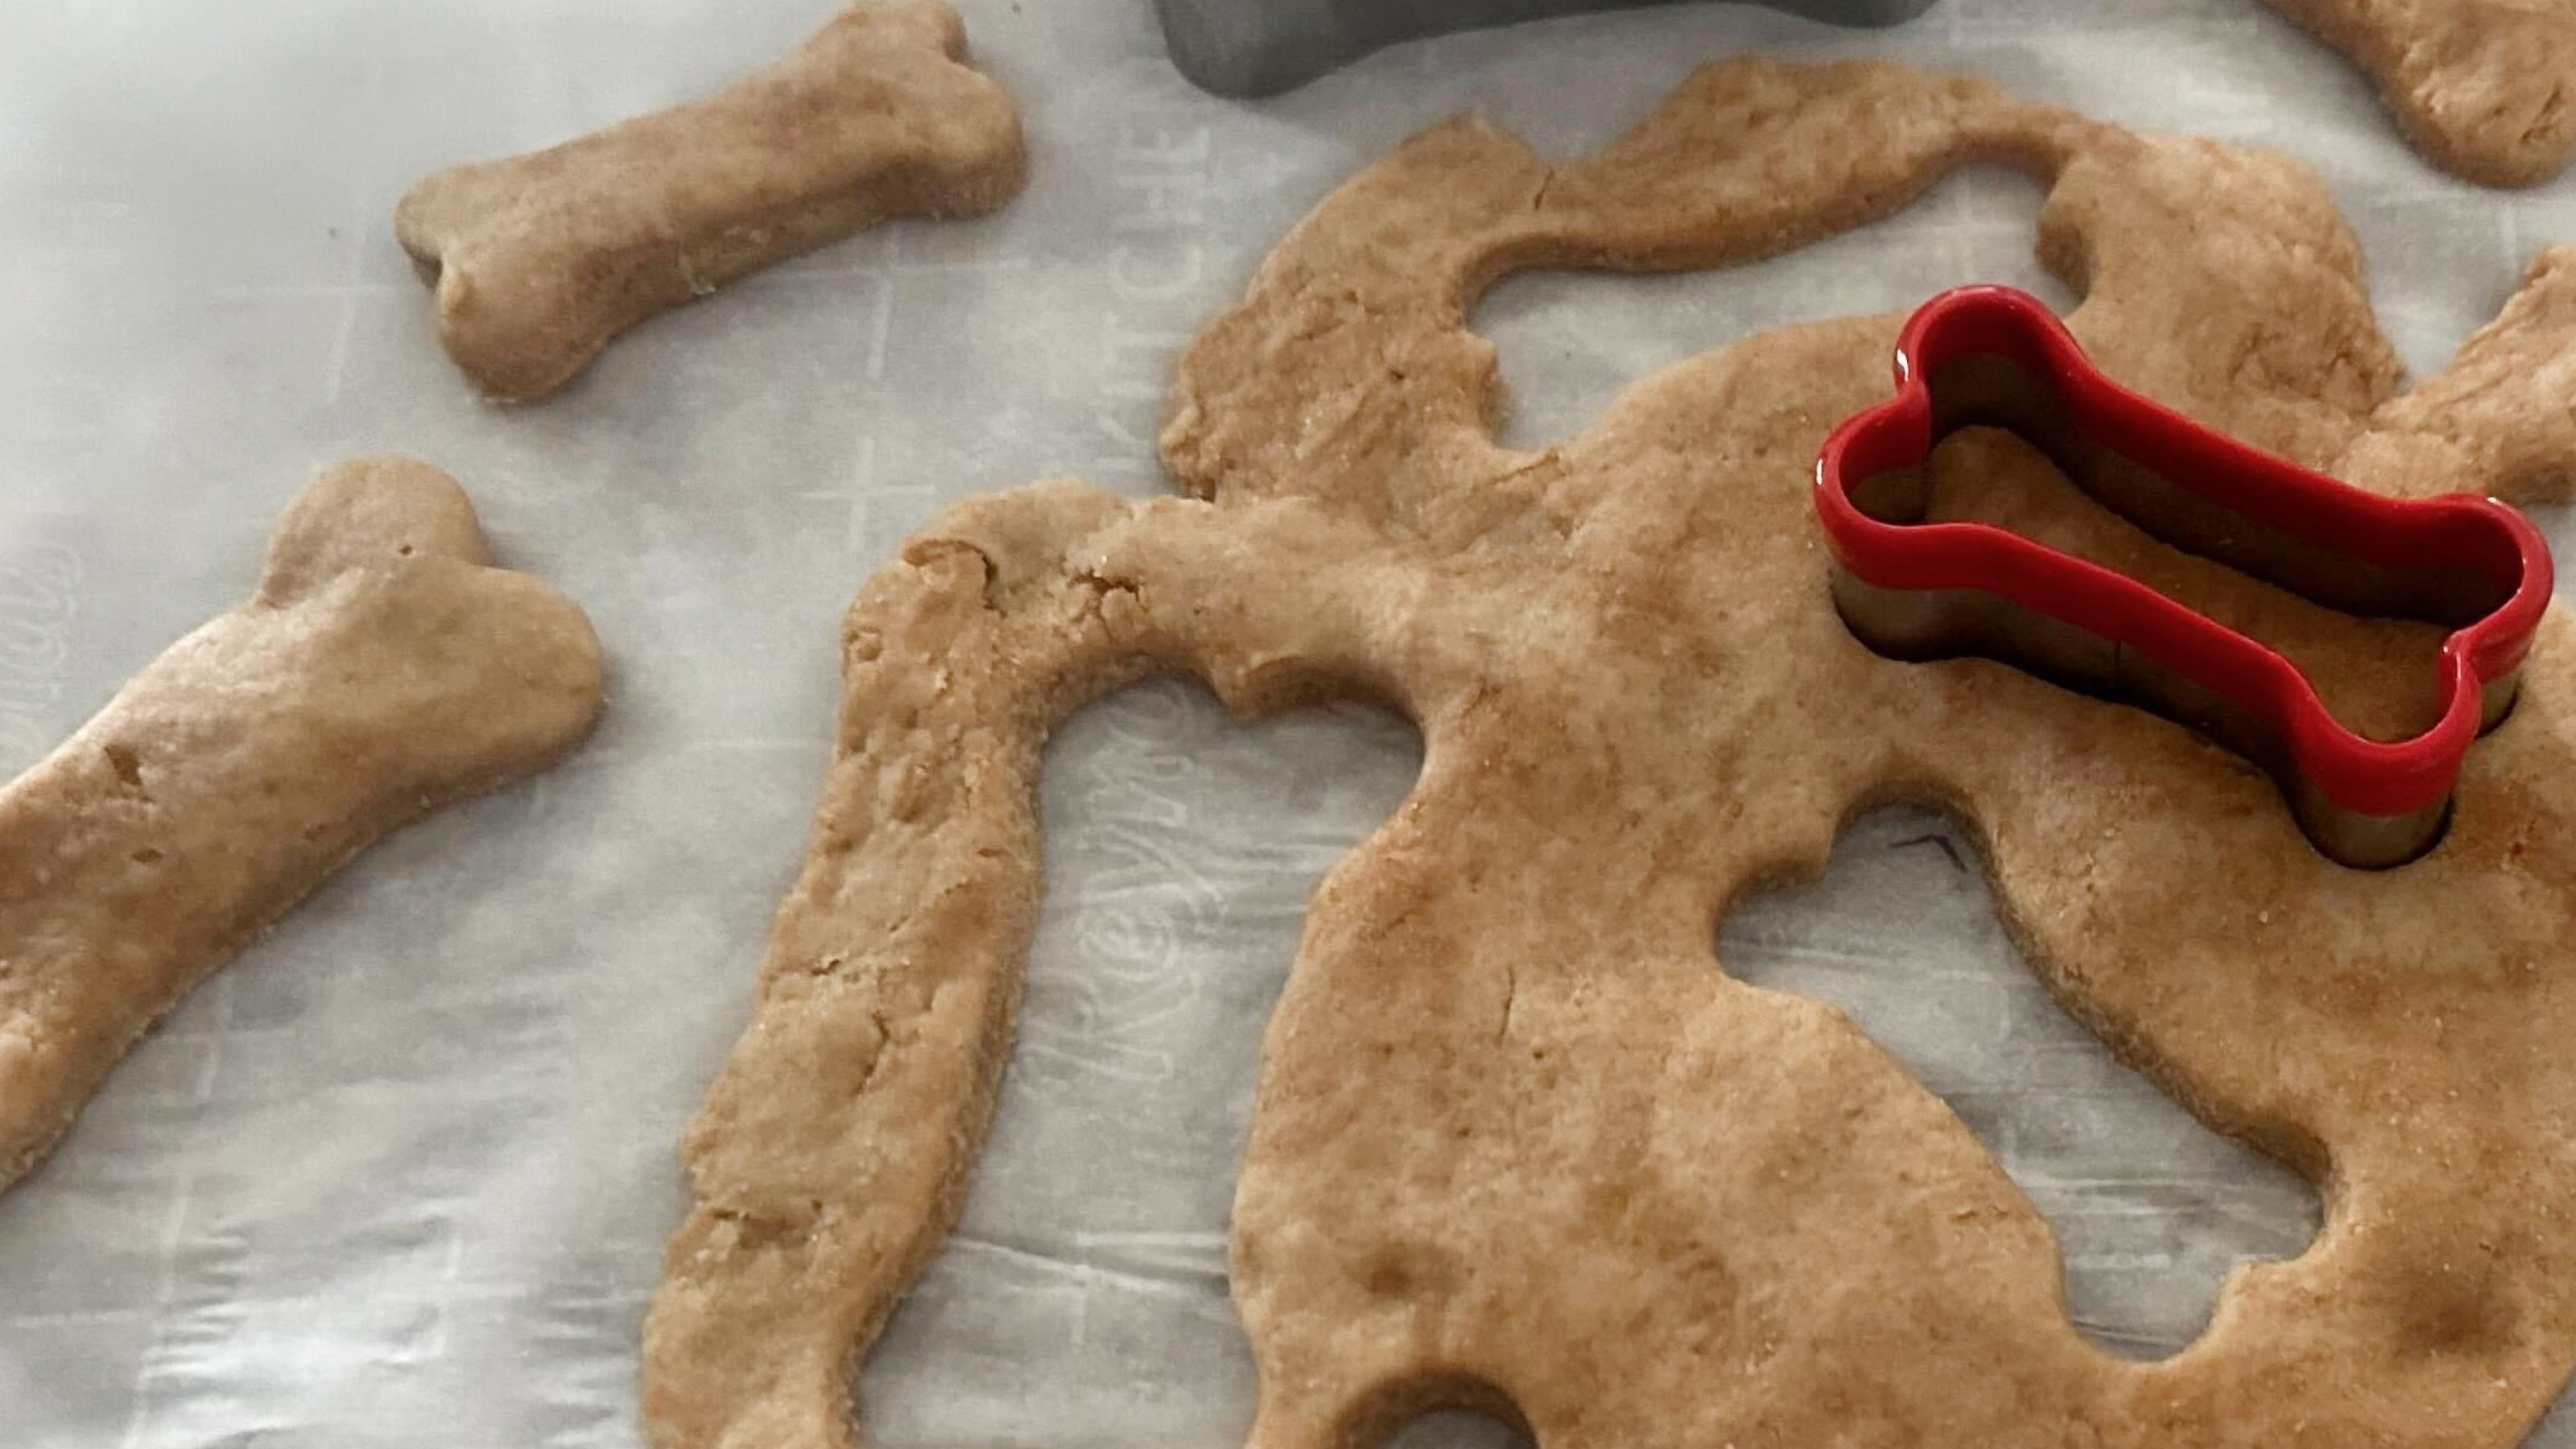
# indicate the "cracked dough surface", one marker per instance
pixel 1520 1142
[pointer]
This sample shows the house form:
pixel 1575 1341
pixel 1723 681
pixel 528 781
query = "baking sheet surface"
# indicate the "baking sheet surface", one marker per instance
pixel 400 1176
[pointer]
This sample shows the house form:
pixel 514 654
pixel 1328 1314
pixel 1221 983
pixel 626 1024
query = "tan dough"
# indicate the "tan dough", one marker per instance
pixel 1520 1141
pixel 2486 88
pixel 384 668
pixel 539 260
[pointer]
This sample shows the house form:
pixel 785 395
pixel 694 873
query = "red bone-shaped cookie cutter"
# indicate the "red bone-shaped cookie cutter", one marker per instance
pixel 1992 356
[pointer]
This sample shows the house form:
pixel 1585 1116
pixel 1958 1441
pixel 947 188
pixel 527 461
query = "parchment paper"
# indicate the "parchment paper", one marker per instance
pixel 401 1175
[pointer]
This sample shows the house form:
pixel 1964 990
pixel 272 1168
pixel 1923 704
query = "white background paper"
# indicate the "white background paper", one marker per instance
pixel 400 1176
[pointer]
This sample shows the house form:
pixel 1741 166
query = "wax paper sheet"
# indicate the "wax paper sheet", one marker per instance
pixel 402 1173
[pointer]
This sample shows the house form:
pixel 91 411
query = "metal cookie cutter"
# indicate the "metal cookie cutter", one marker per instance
pixel 1992 356
pixel 1263 47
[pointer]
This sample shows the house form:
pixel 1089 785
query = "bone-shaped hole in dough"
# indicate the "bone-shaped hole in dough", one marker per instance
pixel 1089 1265
pixel 2150 1208
pixel 1571 341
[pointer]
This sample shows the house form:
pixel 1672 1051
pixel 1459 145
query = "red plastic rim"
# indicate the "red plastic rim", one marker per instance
pixel 2367 776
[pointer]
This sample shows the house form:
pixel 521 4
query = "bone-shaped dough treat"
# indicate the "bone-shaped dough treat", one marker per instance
pixel 383 668
pixel 1521 1142
pixel 540 260
pixel 2486 88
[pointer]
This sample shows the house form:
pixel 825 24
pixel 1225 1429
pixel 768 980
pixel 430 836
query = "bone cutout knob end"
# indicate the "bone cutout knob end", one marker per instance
pixel 383 668
pixel 538 261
